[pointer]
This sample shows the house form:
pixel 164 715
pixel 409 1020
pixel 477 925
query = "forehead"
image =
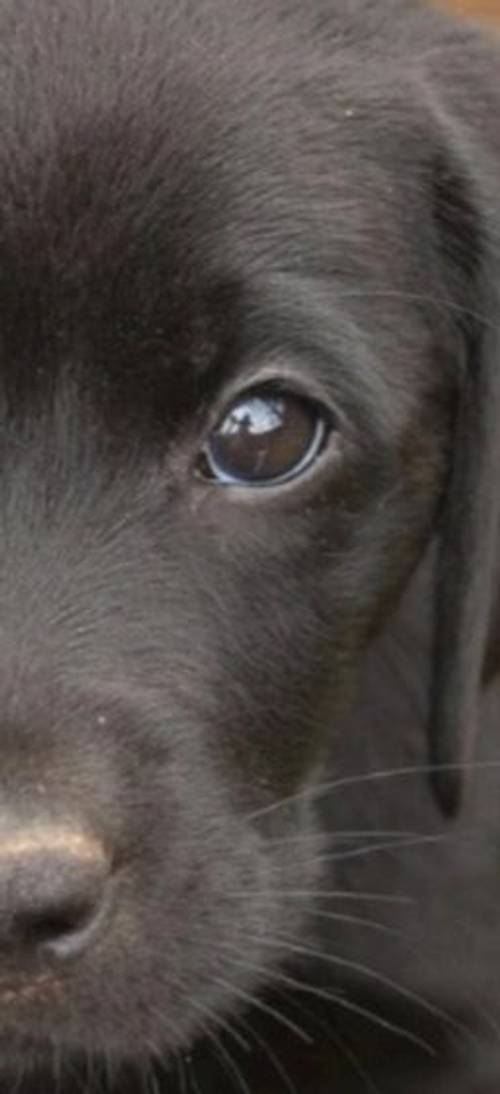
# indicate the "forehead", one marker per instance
pixel 154 163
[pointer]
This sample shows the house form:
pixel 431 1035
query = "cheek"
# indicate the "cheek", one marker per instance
pixel 284 652
pixel 268 667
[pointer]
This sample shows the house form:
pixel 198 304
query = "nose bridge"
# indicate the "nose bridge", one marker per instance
pixel 66 632
pixel 34 839
pixel 41 740
pixel 61 586
pixel 78 598
pixel 52 688
pixel 60 776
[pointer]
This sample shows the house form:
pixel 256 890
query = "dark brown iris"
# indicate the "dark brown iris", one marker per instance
pixel 266 437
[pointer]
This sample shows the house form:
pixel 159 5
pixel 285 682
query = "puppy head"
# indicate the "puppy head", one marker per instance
pixel 229 381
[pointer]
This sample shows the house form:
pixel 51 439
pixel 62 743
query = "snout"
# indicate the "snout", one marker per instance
pixel 54 892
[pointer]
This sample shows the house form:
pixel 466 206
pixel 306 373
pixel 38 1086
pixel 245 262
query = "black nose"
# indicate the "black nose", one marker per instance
pixel 52 891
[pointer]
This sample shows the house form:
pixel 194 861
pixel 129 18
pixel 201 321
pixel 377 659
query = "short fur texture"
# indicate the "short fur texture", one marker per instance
pixel 261 703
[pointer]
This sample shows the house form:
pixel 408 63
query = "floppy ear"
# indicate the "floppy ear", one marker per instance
pixel 469 546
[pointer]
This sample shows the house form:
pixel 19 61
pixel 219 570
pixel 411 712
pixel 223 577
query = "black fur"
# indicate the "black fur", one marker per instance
pixel 261 705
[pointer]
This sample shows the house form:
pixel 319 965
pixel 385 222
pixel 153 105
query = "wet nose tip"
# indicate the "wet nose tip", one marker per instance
pixel 53 888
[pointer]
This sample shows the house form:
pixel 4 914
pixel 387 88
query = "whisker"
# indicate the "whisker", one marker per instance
pixel 110 1070
pixel 328 894
pixel 355 1063
pixel 275 1061
pixel 490 1022
pixel 181 1073
pixel 21 1073
pixel 377 848
pixel 193 1078
pixel 342 835
pixel 57 1066
pixel 302 986
pixel 220 1022
pixel 92 1079
pixel 152 1083
pixel 229 1065
pixel 386 981
pixel 332 1035
pixel 313 793
pixel 358 921
pixel 259 1004
pixel 310 1015
pixel 226 1060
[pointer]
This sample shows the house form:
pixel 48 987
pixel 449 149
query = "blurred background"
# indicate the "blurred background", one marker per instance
pixel 483 9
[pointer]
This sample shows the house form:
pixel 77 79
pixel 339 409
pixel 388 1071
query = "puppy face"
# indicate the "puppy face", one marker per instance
pixel 227 390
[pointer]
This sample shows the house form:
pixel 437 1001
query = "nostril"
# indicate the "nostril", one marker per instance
pixel 53 924
pixel 62 925
pixel 53 894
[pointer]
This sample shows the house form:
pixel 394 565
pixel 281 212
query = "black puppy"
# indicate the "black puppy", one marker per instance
pixel 249 543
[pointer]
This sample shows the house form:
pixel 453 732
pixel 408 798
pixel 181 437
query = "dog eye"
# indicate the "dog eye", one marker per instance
pixel 267 437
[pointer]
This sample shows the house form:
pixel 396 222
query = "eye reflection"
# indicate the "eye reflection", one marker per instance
pixel 256 416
